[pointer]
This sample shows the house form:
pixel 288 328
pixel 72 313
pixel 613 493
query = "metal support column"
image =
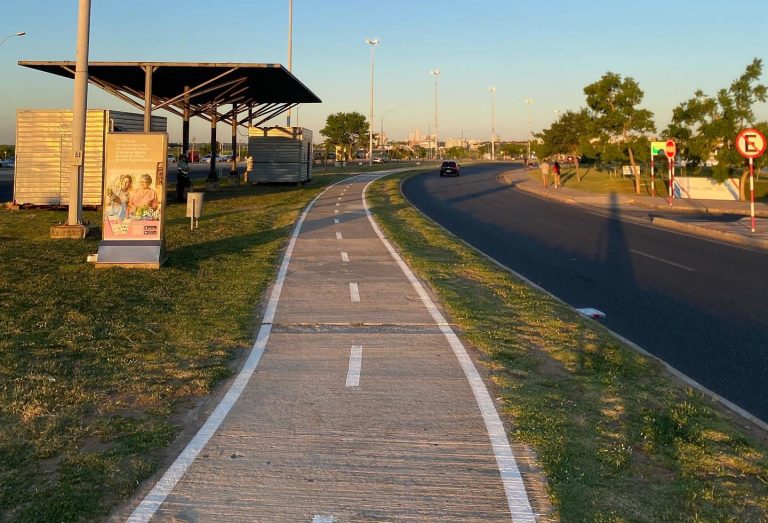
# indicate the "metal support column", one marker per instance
pixel 212 176
pixel 185 125
pixel 148 70
pixel 233 165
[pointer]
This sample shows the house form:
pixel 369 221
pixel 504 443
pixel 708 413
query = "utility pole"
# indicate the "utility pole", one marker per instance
pixel 436 74
pixel 492 90
pixel 290 45
pixel 79 113
pixel 373 43
pixel 528 102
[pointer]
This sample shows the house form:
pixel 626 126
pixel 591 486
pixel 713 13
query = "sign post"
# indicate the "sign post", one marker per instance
pixel 670 149
pixel 656 148
pixel 751 144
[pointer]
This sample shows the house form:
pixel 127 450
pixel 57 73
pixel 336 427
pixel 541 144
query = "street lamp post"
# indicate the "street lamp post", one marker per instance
pixel 381 128
pixel 373 42
pixel 290 47
pixel 492 90
pixel 79 113
pixel 436 74
pixel 528 102
pixel 20 33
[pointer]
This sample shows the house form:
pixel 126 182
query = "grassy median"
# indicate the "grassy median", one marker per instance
pixel 617 438
pixel 605 181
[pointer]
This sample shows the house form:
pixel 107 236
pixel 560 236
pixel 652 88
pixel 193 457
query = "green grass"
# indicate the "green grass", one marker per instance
pixel 97 367
pixel 604 181
pixel 617 439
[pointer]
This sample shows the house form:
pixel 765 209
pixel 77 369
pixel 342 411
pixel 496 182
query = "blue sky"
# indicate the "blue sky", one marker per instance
pixel 543 50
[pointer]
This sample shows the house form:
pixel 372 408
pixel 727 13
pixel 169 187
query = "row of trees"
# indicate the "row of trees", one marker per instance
pixel 350 132
pixel 613 127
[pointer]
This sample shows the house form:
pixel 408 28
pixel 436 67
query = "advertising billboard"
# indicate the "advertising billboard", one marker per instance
pixel 134 186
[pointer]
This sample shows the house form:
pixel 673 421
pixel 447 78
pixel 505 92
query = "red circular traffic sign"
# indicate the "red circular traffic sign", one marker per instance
pixel 750 143
pixel 670 149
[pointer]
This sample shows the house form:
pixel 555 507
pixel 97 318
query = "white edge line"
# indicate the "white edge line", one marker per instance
pixel 662 260
pixel 514 488
pixel 152 501
pixel 355 365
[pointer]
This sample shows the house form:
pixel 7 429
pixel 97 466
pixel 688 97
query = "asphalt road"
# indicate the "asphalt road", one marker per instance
pixel 700 305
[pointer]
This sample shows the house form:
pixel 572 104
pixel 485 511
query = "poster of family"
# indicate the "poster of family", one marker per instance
pixel 134 186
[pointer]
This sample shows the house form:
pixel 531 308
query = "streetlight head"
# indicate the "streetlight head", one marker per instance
pixel 528 101
pixel 21 33
pixel 491 89
pixel 435 71
pixel 372 41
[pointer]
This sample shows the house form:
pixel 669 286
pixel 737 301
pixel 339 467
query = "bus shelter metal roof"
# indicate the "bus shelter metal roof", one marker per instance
pixel 263 91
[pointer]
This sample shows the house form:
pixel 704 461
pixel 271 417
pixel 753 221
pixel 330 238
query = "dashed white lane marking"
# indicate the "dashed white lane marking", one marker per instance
pixel 335 220
pixel 338 236
pixel 336 211
pixel 662 260
pixel 337 204
pixel 355 364
pixel 152 502
pixel 344 257
pixel 354 292
pixel 339 198
pixel 517 498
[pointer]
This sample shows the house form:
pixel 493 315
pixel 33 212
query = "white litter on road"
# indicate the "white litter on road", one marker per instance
pixel 591 313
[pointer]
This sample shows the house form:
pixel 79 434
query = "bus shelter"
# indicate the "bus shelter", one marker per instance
pixel 234 93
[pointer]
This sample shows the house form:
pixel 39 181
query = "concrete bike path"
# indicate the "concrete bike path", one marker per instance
pixel 358 402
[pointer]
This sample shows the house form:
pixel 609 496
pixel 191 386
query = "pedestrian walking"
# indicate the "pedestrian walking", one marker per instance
pixel 556 174
pixel 544 171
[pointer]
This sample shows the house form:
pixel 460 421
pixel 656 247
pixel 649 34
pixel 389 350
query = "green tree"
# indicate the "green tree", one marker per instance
pixel 705 127
pixel 569 135
pixel 348 130
pixel 456 152
pixel 6 151
pixel 614 101
pixel 512 149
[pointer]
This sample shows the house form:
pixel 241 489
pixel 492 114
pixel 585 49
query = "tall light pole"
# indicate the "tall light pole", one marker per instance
pixel 528 102
pixel 20 33
pixel 492 90
pixel 290 45
pixel 373 42
pixel 436 74
pixel 381 127
pixel 80 106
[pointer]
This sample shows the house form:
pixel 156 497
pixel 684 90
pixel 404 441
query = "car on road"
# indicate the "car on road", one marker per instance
pixel 450 168
pixel 8 162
